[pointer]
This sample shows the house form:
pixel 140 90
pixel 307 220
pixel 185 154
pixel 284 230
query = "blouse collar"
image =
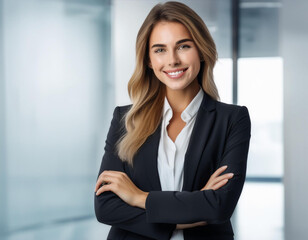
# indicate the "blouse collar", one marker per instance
pixel 190 111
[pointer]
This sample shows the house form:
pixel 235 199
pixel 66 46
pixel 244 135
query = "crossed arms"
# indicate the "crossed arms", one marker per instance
pixel 120 203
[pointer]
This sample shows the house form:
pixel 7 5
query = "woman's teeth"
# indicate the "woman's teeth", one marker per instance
pixel 175 73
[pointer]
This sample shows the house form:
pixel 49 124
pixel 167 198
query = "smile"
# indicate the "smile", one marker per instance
pixel 176 74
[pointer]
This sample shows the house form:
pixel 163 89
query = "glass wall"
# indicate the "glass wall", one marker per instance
pixel 56 90
pixel 260 84
pixel 260 88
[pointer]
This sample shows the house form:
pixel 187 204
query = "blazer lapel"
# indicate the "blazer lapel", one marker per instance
pixel 151 148
pixel 201 131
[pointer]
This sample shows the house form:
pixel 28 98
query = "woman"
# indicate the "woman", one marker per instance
pixel 160 176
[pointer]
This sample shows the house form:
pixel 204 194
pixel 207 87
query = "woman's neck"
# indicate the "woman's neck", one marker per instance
pixel 180 99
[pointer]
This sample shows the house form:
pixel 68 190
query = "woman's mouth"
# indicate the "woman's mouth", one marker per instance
pixel 177 73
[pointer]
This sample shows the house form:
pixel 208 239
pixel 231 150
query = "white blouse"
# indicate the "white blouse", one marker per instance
pixel 170 160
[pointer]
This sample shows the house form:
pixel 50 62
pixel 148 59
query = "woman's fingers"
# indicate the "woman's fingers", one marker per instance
pixel 222 177
pixel 217 180
pixel 219 171
pixel 121 185
pixel 106 177
pixel 219 184
pixel 108 181
pixel 99 181
pixel 107 187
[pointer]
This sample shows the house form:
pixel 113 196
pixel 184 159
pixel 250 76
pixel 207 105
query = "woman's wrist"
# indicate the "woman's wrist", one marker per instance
pixel 190 225
pixel 141 199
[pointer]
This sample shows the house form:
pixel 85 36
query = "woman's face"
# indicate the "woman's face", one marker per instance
pixel 174 56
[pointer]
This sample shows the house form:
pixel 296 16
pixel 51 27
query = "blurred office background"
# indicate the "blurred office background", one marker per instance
pixel 64 66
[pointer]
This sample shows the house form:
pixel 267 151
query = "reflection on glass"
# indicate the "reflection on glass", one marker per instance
pixel 56 65
pixel 223 79
pixel 260 89
pixel 260 212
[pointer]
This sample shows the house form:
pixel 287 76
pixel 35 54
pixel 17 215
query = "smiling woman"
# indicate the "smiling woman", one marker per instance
pixel 161 175
pixel 176 62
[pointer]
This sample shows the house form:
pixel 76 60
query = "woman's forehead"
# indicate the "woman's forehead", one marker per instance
pixel 165 32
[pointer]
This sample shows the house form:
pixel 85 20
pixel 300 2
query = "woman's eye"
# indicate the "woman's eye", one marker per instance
pixel 159 50
pixel 184 46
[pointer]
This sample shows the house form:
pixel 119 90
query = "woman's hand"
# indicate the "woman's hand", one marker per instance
pixel 190 225
pixel 215 182
pixel 120 184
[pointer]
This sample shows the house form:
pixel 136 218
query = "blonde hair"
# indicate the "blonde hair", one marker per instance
pixel 146 91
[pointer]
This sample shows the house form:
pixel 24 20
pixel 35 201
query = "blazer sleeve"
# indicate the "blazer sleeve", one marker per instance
pixel 112 210
pixel 209 205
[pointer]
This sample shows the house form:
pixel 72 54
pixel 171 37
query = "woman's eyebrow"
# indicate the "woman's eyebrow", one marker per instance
pixel 178 42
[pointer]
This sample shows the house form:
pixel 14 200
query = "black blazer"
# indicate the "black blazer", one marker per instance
pixel 220 136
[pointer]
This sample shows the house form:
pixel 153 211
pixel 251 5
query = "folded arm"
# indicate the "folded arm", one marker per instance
pixel 112 210
pixel 212 206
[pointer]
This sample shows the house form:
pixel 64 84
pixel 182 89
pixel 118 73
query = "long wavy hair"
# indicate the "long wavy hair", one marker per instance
pixel 145 90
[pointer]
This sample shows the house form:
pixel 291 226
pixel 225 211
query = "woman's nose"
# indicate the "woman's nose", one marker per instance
pixel 174 59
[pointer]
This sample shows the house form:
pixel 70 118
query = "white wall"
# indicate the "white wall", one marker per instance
pixel 126 21
pixel 295 53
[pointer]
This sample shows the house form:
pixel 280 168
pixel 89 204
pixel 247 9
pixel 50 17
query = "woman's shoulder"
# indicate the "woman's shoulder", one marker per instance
pixel 222 108
pixel 120 111
pixel 228 110
pixel 228 107
pixel 123 109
